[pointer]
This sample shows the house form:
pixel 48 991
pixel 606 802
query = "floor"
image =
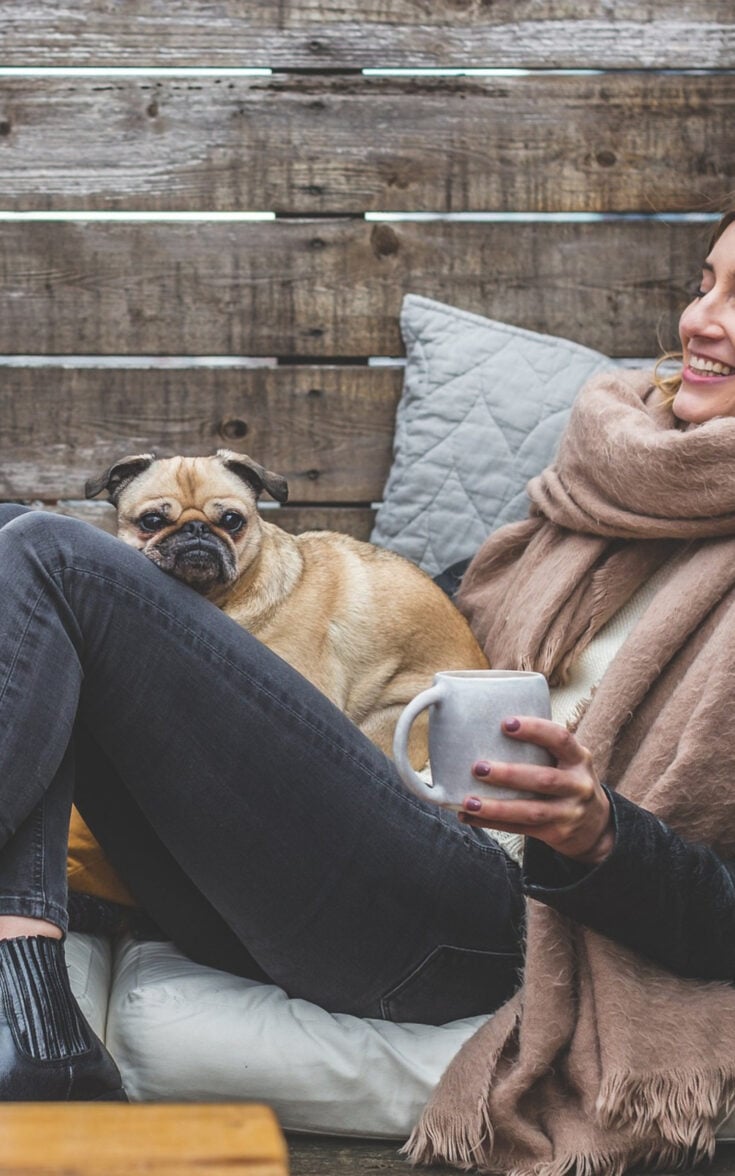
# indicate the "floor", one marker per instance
pixel 323 1156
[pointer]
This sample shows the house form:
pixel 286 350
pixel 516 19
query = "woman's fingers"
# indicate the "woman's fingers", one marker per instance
pixel 562 804
pixel 562 744
pixel 527 816
pixel 539 779
pixel 572 771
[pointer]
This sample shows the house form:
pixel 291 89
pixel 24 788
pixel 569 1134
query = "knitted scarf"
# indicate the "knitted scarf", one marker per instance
pixel 604 1060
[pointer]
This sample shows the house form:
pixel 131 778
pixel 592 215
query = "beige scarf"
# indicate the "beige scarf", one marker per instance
pixel 603 1059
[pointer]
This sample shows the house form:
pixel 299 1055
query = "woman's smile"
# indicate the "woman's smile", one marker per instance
pixel 699 368
pixel 707 330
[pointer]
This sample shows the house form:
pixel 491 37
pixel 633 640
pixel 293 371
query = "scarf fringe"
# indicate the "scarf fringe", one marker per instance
pixel 602 1164
pixel 445 1138
pixel 655 1157
pixel 683 1106
pixel 461 1154
pixel 673 1117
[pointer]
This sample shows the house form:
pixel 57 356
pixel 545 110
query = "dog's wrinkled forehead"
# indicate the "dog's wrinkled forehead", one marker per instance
pixel 191 480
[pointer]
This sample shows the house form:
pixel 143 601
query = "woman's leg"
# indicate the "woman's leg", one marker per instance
pixel 162 888
pixel 33 865
pixel 47 1049
pixel 294 828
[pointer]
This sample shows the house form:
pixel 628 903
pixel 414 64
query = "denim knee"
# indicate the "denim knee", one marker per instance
pixel 12 510
pixel 48 534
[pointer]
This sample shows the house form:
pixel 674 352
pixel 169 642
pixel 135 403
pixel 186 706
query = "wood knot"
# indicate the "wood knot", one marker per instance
pixel 233 429
pixel 384 241
pixel 606 158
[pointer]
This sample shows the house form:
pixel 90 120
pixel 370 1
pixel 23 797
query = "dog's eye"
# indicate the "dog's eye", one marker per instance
pixel 232 521
pixel 151 521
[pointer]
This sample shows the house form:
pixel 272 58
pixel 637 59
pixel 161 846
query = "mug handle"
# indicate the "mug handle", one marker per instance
pixel 412 780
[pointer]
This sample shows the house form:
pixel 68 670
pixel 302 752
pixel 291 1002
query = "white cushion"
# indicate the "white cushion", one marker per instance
pixel 183 1032
pixel 89 961
pixel 180 1031
pixel 483 406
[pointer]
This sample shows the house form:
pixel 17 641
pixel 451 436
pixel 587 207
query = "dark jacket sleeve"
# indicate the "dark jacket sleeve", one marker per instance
pixel 669 899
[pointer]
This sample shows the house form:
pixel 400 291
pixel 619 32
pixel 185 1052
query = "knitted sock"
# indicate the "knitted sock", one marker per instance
pixel 39 1004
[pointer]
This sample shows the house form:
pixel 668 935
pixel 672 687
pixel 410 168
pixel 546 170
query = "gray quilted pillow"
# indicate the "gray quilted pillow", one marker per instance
pixel 482 409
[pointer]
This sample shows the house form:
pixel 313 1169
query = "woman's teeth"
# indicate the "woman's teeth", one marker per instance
pixel 710 366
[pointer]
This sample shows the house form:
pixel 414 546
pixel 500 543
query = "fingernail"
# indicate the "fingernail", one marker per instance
pixel 472 804
pixel 512 724
pixel 482 768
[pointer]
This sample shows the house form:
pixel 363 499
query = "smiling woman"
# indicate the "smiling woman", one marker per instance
pixel 704 386
pixel 707 330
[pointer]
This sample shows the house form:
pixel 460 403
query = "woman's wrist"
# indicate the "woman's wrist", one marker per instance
pixel 601 848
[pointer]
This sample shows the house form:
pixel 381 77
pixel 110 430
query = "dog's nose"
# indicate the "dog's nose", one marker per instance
pixel 196 528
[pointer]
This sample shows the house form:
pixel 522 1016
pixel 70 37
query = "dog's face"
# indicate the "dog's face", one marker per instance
pixel 195 517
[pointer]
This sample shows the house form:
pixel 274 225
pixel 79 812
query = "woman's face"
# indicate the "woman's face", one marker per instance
pixel 707 331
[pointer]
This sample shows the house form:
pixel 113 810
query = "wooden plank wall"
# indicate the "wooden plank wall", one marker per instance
pixel 139 309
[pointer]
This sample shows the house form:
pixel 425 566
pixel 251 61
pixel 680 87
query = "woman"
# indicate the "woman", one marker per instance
pixel 267 837
pixel 621 588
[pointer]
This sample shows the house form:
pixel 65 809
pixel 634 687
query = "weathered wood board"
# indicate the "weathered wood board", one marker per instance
pixel 329 431
pixel 352 520
pixel 334 288
pixel 539 143
pixel 305 34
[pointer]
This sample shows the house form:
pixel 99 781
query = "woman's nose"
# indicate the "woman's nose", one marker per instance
pixel 701 318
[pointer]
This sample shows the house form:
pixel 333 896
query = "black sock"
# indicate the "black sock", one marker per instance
pixel 39 1003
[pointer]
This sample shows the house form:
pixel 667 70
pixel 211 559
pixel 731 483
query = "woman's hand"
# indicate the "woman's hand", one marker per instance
pixel 569 810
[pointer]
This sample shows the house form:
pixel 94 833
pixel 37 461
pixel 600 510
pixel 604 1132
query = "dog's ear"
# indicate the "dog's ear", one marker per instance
pixel 255 475
pixel 118 476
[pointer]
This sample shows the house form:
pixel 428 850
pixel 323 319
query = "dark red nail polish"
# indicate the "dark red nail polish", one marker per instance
pixel 512 724
pixel 482 768
pixel 472 804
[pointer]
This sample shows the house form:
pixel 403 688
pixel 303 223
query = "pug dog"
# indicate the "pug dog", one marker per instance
pixel 364 625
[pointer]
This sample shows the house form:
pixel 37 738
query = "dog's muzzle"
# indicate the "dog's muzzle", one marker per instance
pixel 196 556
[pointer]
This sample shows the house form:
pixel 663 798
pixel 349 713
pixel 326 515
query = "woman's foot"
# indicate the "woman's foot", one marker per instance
pixel 48 1051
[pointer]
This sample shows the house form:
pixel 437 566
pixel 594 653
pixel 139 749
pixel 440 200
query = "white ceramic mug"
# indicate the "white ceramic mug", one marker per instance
pixel 467 707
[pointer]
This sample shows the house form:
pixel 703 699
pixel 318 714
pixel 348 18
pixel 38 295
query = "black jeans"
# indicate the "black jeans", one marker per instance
pixel 264 833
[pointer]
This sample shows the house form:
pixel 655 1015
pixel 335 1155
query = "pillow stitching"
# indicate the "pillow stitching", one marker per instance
pixel 425 326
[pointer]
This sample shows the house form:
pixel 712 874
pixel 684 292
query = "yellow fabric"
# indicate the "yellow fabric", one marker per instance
pixel 88 869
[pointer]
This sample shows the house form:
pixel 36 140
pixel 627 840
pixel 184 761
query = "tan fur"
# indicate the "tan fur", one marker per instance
pixel 364 625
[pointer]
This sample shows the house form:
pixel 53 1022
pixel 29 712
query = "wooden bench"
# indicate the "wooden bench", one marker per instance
pixel 141 305
pixel 86 1139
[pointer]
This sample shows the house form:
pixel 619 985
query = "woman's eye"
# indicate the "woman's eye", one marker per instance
pixel 151 521
pixel 703 286
pixel 232 521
